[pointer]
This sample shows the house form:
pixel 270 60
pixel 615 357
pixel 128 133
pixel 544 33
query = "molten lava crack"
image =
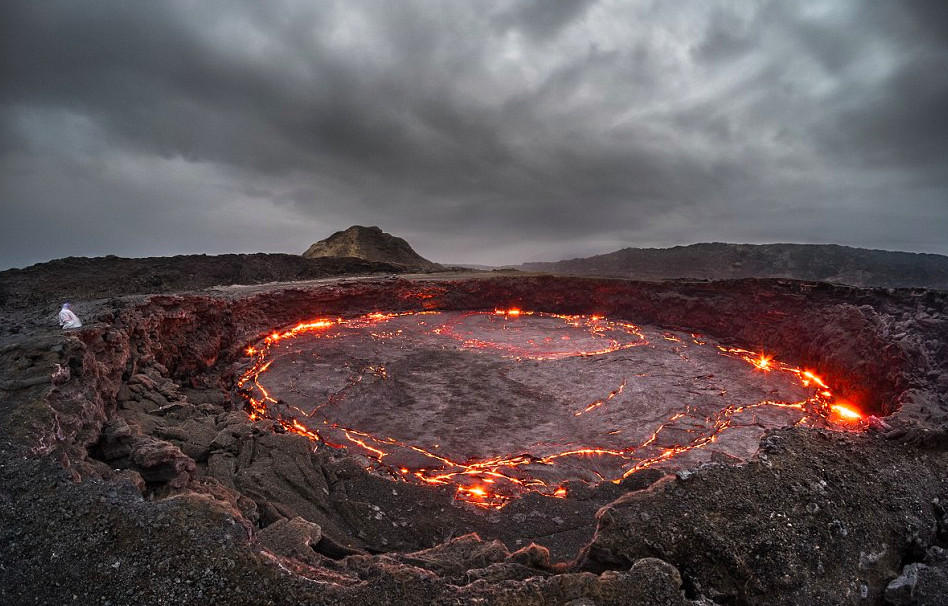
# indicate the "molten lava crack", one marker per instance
pixel 501 403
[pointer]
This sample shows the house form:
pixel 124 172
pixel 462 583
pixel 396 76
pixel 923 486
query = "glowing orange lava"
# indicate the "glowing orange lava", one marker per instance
pixel 846 412
pixel 493 481
pixel 763 362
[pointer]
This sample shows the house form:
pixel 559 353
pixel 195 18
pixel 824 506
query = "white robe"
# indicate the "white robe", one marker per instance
pixel 67 319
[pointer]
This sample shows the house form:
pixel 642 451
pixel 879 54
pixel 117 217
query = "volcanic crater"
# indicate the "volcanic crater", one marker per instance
pixel 498 403
pixel 611 440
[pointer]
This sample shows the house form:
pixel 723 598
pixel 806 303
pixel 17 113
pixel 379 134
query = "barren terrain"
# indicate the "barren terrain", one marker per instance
pixel 138 467
pixel 721 261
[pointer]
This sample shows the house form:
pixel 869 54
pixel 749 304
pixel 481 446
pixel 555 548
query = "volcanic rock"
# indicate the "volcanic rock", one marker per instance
pixel 533 555
pixel 459 555
pixel 281 473
pixel 371 244
pixel 816 518
pixel 157 461
pixel 83 278
pixel 292 538
pixel 193 437
pixel 746 543
pixel 656 582
pixel 161 462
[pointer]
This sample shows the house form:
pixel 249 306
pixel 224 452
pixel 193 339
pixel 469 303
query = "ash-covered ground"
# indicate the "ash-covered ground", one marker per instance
pixel 133 473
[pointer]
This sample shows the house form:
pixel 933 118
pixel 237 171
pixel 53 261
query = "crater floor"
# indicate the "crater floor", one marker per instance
pixel 499 403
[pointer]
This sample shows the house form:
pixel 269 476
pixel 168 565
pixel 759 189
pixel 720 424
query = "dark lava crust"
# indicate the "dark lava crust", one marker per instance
pixel 132 475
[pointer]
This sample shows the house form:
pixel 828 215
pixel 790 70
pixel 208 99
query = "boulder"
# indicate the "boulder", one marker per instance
pixel 161 462
pixel 533 556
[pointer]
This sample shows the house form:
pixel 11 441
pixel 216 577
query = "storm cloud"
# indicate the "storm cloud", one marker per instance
pixel 484 132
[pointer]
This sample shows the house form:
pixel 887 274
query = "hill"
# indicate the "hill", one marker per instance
pixel 718 261
pixel 74 278
pixel 371 244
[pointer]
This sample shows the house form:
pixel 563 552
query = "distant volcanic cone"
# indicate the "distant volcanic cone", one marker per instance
pixel 371 244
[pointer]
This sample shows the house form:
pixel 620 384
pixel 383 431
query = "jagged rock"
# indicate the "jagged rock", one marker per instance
pixel 217 397
pixel 144 380
pixel 374 567
pixel 225 440
pixel 168 389
pixel 222 466
pixel 743 534
pixel 285 478
pixel 459 555
pixel 533 556
pixel 160 402
pixel 294 538
pixel 194 437
pixel 161 462
pixel 124 393
pixel 157 461
pixel 235 420
pixel 115 441
pixel 502 571
pixel 132 477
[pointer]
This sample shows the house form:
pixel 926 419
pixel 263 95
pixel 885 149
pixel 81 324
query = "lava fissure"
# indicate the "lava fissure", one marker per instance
pixel 532 338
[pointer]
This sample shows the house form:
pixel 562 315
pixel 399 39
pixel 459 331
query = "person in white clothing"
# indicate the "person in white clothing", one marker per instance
pixel 67 319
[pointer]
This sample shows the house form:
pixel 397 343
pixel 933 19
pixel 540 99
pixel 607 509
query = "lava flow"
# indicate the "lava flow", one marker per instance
pixel 497 404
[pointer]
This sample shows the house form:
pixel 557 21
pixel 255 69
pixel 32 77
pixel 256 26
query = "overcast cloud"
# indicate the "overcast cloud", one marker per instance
pixel 483 132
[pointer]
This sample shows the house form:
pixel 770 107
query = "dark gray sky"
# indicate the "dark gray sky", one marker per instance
pixel 483 132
